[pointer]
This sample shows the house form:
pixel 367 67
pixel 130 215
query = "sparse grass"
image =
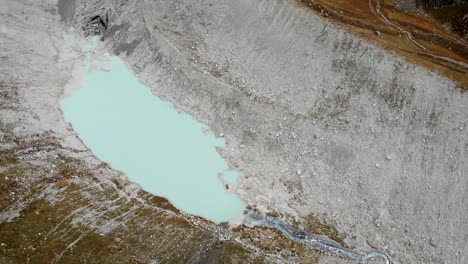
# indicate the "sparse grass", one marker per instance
pixel 68 229
pixel 315 226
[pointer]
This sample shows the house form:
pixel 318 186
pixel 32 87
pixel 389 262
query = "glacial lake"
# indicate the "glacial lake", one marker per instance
pixel 167 153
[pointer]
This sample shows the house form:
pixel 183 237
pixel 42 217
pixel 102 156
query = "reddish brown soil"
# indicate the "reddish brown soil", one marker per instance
pixel 431 45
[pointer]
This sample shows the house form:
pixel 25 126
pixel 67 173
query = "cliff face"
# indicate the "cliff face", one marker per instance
pixel 321 122
pixel 324 125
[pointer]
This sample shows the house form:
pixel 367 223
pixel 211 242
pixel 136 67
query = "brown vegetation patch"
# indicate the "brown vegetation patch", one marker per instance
pixel 419 39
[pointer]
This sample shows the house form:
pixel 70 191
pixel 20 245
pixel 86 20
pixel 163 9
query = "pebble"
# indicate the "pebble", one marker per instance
pixel 432 242
pixel 375 243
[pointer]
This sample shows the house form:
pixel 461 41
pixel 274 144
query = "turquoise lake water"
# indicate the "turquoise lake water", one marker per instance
pixel 167 153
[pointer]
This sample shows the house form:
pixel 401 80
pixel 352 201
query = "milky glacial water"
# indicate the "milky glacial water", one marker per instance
pixel 168 153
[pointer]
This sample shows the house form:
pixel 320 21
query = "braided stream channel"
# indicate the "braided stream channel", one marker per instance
pixel 323 244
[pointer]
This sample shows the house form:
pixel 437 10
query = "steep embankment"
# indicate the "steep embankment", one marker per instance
pixel 325 126
pixel 58 203
pixel 321 122
pixel 415 37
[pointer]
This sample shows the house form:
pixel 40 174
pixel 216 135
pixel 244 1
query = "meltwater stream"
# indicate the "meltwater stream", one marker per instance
pixel 169 154
pixel 319 242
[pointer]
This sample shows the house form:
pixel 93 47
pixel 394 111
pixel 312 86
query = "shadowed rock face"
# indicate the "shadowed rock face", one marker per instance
pixel 441 3
pixel 452 14
pixel 322 123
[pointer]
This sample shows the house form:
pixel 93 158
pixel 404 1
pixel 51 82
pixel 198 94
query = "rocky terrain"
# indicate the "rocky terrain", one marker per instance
pixel 335 135
pixel 59 204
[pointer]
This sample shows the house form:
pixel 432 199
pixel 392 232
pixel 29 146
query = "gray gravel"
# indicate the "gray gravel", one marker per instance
pixel 320 121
